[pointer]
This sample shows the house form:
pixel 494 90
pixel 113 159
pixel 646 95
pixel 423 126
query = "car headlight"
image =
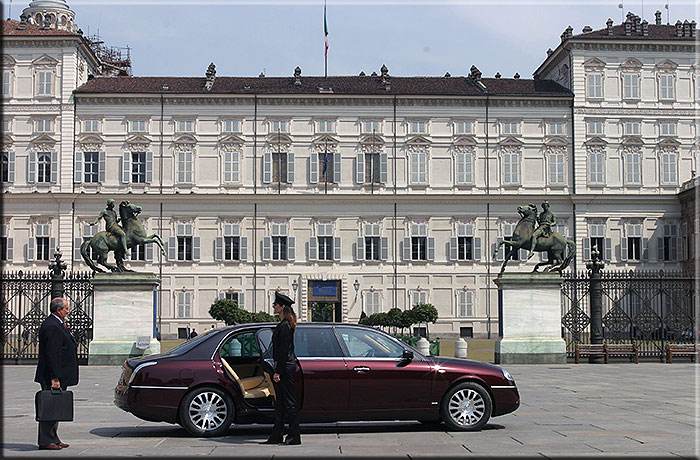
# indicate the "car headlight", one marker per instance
pixel 507 375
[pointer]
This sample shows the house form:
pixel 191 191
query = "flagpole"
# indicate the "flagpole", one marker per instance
pixel 325 31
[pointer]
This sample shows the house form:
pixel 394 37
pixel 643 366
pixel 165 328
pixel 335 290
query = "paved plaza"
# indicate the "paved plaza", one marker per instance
pixel 644 410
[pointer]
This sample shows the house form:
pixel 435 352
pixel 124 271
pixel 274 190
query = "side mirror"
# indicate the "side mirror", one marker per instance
pixel 407 355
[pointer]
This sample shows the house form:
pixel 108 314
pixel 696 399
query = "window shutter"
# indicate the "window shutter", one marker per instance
pixel 52 247
pixel 241 300
pixel 431 249
pixel 77 242
pixel 608 249
pixel 645 248
pixel 126 167
pixel 31 167
pixel 149 167
pixel 149 251
pixel 267 248
pixel 11 167
pixel 623 249
pixel 660 248
pixel 218 248
pixel 360 248
pixel 103 167
pixel 586 248
pixel 290 168
pixel 337 165
pixel 31 248
pixel 336 248
pixel 291 248
pixel 452 249
pixel 78 168
pixel 196 248
pixel 172 248
pixel 477 249
pixel 222 295
pixel 406 249
pixel 384 243
pixel 267 168
pixel 10 249
pixel 244 248
pixel 501 250
pixel 313 248
pixel 673 253
pixel 313 168
pixel 54 167
pixel 383 168
pixel 360 168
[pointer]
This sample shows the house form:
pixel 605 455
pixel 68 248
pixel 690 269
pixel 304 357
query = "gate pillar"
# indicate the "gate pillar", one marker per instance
pixel 529 307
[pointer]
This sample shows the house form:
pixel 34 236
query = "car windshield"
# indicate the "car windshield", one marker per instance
pixel 191 343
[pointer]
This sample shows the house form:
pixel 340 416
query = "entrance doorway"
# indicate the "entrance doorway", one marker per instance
pixel 325 301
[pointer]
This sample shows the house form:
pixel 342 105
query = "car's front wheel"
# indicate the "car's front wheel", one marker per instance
pixel 207 412
pixel 466 407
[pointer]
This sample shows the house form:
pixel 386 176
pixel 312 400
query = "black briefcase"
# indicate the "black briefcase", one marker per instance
pixel 54 405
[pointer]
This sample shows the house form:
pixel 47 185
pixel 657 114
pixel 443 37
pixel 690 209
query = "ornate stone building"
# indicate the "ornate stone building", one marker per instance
pixel 363 192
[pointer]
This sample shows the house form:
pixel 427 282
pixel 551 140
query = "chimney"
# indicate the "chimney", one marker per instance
pixel 587 29
pixel 474 73
pixel 692 28
pixel 262 75
pixel 609 25
pixel 447 75
pixel 374 74
pixel 211 76
pixel 516 76
pixel 638 24
pixel 657 18
pixel 679 28
pixel 297 76
pixel 645 28
pixel 385 74
pixel 362 73
pixel 628 28
pixel 498 75
pixel 686 28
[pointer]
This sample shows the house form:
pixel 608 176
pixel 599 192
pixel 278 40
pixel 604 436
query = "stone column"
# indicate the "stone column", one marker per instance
pixel 529 307
pixel 123 313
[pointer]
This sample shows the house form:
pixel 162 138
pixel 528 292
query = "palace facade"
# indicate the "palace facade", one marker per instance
pixel 361 192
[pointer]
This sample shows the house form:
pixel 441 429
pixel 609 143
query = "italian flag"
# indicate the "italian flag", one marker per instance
pixel 325 27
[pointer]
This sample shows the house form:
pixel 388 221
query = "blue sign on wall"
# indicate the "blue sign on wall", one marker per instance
pixel 325 288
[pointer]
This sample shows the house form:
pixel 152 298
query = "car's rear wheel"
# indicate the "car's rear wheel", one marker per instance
pixel 207 412
pixel 466 407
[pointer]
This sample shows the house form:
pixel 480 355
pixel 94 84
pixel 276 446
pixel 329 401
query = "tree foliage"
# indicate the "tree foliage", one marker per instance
pixel 229 312
pixel 402 319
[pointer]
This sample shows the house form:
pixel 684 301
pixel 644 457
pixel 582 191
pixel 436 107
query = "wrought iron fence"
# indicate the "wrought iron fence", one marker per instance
pixel 25 298
pixel 648 308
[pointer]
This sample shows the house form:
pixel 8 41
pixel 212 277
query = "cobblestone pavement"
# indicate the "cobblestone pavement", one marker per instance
pixel 642 410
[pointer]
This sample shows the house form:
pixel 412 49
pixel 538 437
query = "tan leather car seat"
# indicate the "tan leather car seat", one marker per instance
pixel 252 387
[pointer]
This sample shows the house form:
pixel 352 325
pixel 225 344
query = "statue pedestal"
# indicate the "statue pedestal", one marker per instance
pixel 123 312
pixel 529 309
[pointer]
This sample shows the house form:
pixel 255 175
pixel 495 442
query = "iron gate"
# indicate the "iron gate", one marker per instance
pixel 25 304
pixel 647 308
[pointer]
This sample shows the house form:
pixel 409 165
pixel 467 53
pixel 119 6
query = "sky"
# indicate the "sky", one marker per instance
pixel 411 37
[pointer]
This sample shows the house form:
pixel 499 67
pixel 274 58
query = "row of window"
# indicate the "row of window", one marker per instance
pixel 671 244
pixel 43 83
pixel 630 86
pixel 666 128
pixel 370 168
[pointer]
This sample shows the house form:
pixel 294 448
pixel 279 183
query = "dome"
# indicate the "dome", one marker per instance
pixel 54 13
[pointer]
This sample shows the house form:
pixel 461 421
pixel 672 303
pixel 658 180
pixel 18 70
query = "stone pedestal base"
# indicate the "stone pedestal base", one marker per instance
pixel 529 308
pixel 123 312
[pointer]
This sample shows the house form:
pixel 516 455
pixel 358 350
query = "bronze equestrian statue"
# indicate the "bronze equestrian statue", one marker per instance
pixel 555 245
pixel 111 240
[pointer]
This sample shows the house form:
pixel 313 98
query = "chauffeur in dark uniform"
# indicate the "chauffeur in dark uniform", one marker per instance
pixel 283 379
pixel 57 366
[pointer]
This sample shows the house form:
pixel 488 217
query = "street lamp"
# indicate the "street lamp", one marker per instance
pixel 295 285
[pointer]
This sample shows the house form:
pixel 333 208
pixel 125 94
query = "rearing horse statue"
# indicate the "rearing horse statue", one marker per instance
pixel 554 245
pixel 104 242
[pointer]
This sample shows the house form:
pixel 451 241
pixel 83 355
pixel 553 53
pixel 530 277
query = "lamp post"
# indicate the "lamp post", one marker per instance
pixel 596 296
pixel 356 285
pixel 295 285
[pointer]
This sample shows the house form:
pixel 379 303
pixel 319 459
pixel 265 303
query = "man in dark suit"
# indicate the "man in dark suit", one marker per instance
pixel 58 365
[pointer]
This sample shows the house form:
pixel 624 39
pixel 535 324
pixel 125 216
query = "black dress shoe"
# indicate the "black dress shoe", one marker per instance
pixel 272 441
pixel 292 441
pixel 50 447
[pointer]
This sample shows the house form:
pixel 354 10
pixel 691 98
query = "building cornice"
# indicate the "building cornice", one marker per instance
pixel 636 112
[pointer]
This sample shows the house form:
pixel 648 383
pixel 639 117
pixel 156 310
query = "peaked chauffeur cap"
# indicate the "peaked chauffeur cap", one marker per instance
pixel 283 299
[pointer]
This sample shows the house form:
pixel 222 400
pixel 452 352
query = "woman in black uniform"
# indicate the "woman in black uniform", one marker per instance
pixel 283 378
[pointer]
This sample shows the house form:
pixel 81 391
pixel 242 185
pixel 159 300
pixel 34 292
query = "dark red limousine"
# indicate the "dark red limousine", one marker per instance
pixel 345 372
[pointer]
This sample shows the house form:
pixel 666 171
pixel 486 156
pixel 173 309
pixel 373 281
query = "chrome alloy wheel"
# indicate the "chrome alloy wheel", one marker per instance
pixel 207 411
pixel 466 407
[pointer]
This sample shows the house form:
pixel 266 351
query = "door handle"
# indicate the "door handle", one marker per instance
pixel 360 369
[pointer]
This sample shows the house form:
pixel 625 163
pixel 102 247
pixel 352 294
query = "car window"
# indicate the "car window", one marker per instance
pixel 362 343
pixel 191 343
pixel 319 342
pixel 242 345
